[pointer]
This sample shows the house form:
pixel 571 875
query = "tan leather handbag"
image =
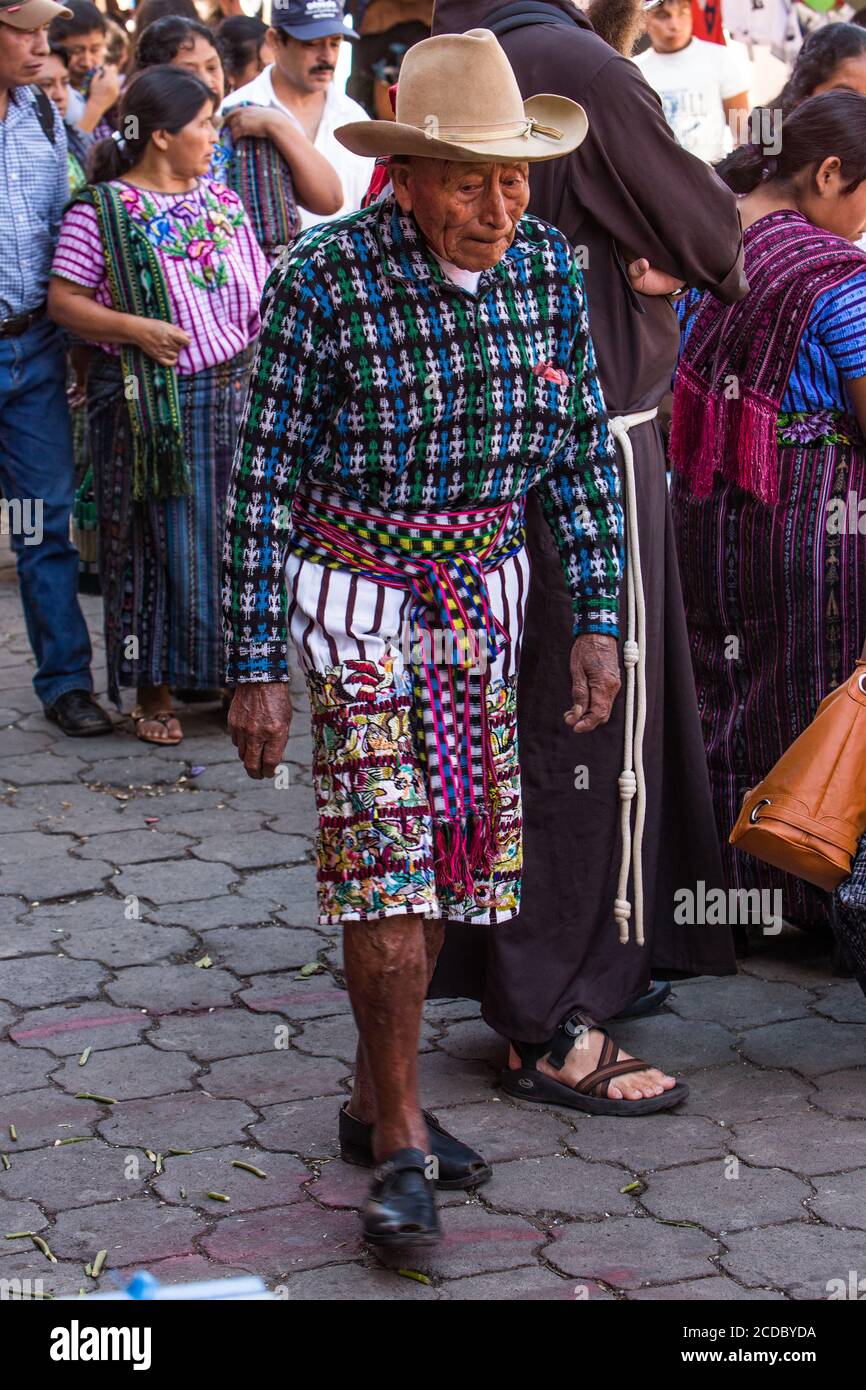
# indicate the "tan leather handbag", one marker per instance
pixel 809 812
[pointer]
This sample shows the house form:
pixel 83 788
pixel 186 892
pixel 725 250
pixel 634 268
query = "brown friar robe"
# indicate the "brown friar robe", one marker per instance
pixel 628 191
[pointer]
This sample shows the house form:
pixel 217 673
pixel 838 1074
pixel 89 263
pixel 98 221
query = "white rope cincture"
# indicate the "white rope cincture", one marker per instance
pixel 632 781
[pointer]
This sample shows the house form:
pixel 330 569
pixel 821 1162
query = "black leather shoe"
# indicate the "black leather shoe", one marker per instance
pixel 400 1208
pixel 459 1166
pixel 78 715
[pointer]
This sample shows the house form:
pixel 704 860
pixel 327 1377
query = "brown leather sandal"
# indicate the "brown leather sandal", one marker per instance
pixel 162 717
pixel 590 1094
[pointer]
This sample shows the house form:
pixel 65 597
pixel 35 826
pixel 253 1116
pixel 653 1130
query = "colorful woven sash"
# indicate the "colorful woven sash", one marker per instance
pixel 137 287
pixel 262 179
pixel 737 358
pixel 441 559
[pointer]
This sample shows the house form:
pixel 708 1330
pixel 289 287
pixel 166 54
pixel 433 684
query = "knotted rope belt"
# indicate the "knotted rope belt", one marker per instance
pixel 441 559
pixel 632 781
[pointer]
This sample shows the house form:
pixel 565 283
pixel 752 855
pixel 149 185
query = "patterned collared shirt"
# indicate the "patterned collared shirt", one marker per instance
pixel 377 377
pixel 34 187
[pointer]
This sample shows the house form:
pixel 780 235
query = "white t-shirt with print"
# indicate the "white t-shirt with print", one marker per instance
pixel 692 85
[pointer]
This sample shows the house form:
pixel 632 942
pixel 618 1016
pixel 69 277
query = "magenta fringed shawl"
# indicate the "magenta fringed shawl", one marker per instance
pixel 737 359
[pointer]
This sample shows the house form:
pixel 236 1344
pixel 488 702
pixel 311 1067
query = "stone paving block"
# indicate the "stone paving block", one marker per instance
pixel 274 1077
pixel 221 1033
pixel 841 1199
pixel 28 938
pixel 50 979
pixel 232 778
pixel 844 1002
pixel 706 1194
pixel 529 1284
pixel 336 1285
pixel 741 1002
pixel 680 1046
pixel 262 849
pixel 293 888
pixel 129 1073
pixel 59 876
pixel 735 1093
pixel 135 1231
pixel 628 1251
pixel 295 815
pixel 171 882
pixel 23 1071
pixel 284 1240
pixel 38 769
pixel 18 1215
pixel 443 1011
pixel 806 1145
pixel 472 1040
pixel 715 1289
pixel 263 948
pixel 474 1241
pixel 68 809
pixel 227 910
pixel 30 844
pixel 181 1269
pixel 132 770
pixel 141 845
pixel 315 996
pixel 128 943
pixel 7 1017
pixel 95 910
pixel 191 1120
pixel 201 1173
pixel 75 1027
pixel 341 1185
pixel 42 1115
pixel 36 1277
pixel 565 1186
pixel 795 962
pixel 841 1093
pixel 446 1081
pixel 808 1045
pixel 799 1258
pixel 75 1175
pixel 305 1127
pixel 176 803
pixel 646 1142
pixel 17 743
pixel 165 988
pixel 218 820
pixel 501 1131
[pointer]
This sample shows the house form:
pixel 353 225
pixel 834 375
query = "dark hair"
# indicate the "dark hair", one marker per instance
pixel 85 18
pixel 820 56
pixel 56 50
pixel 239 39
pixel 164 38
pixel 833 123
pixel 160 98
pixel 152 10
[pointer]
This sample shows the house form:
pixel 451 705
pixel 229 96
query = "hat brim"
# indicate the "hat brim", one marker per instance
pixel 375 138
pixel 322 29
pixel 33 14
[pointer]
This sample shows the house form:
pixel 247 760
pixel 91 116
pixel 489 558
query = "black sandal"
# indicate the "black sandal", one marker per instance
pixel 590 1094
pixel 400 1208
pixel 459 1166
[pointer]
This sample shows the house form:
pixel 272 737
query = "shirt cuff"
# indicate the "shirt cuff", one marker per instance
pixel 249 662
pixel 596 619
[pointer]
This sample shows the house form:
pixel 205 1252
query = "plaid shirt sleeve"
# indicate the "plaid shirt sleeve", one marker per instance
pixel 580 493
pixel 289 402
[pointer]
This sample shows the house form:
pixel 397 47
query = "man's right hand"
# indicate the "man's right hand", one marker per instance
pixel 104 89
pixel 259 722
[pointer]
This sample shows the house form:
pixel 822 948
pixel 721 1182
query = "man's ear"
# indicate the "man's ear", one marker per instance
pixel 401 180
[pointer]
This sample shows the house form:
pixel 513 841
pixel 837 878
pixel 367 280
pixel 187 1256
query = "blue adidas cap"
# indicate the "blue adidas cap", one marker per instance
pixel 311 19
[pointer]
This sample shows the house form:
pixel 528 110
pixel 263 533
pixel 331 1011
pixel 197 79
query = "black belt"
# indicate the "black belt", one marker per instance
pixel 20 323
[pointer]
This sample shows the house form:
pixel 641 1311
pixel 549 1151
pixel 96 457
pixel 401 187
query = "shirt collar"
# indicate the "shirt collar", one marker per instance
pixel 404 254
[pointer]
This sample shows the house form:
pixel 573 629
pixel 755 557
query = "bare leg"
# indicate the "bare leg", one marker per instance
pixel 363 1103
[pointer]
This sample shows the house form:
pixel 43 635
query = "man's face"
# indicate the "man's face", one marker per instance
pixel 670 26
pixel 468 213
pixel 54 81
pixel 22 53
pixel 307 66
pixel 86 52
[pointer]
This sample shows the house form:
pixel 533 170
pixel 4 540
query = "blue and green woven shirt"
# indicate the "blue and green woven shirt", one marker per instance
pixel 377 377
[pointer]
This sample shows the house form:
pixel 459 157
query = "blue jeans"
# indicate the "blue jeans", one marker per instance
pixel 37 477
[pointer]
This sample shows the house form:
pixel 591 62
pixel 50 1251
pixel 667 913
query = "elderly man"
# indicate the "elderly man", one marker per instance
pixel 423 365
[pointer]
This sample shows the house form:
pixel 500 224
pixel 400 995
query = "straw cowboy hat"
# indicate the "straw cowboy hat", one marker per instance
pixel 458 98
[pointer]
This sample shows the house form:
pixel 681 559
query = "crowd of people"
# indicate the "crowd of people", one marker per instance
pixel 385 378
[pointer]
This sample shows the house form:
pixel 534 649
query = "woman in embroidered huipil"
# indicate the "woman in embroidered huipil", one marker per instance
pixel 157 266
pixel 423 364
pixel 768 446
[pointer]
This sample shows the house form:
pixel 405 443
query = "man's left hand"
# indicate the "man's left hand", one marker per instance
pixel 645 279
pixel 595 681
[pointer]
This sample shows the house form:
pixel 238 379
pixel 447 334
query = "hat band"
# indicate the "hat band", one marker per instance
pixel 502 130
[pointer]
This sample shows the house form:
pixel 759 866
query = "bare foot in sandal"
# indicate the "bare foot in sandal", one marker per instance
pixel 584 1058
pixel 154 718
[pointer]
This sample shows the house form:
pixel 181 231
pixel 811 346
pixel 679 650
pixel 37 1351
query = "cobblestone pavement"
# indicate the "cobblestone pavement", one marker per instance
pixel 755 1189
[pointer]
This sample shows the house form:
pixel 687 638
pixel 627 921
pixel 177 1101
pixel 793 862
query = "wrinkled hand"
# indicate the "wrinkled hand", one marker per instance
pixel 645 279
pixel 595 681
pixel 251 120
pixel 259 722
pixel 104 88
pixel 161 341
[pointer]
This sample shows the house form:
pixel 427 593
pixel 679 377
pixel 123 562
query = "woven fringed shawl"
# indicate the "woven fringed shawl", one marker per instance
pixel 441 558
pixel 737 358
pixel 138 287
pixel 262 179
